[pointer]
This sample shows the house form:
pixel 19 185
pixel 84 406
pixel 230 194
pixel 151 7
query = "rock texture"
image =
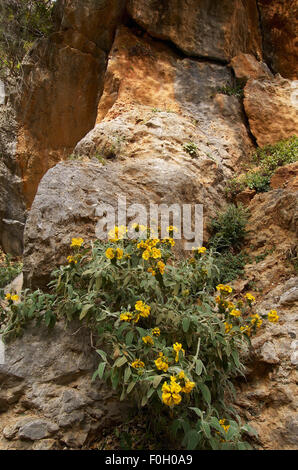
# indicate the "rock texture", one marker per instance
pixel 272 109
pixel 217 29
pixel 285 177
pixel 142 147
pixel 12 215
pixel 63 82
pixel 246 66
pixel 47 399
pixel 268 396
pixel 273 228
pixel 279 26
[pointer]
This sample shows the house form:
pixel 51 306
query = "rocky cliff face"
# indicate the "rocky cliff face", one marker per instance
pixel 124 87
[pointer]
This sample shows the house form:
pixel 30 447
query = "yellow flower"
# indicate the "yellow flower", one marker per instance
pixel 8 296
pixel 110 253
pixel 161 266
pixel 224 288
pixel 177 347
pixel 223 425
pixel 272 316
pixel 127 316
pixel 155 331
pixel 172 228
pixel 76 242
pixel 71 259
pixel 171 393
pixel 139 305
pixel 148 340
pixel 181 375
pixel 15 298
pixel 188 386
pixel 161 363
pixel 138 364
pixel 146 255
pixel 150 270
pixel 119 253
pixel 250 298
pixel 246 330
pixel 256 320
pixel 156 253
pixel 228 327
pixel 200 249
pixel 235 313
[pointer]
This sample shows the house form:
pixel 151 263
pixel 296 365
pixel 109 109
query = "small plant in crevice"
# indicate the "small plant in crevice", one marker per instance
pixel 228 231
pixel 267 159
pixel 236 90
pixel 191 148
pixel 10 268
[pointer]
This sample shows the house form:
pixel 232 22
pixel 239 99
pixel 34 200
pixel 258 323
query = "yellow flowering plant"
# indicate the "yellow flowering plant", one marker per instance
pixel 169 342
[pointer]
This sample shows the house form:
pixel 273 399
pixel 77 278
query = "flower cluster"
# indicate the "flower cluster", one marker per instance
pixel 179 384
pixel 12 297
pixel 223 424
pixel 178 347
pixel 272 316
pixel 141 310
pixel 162 362
pixel 112 253
pixel 117 233
pixel 138 364
pixel 76 242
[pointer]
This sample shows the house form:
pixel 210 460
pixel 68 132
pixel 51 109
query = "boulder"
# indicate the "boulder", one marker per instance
pixel 47 393
pixel 215 29
pixel 272 109
pixel 246 66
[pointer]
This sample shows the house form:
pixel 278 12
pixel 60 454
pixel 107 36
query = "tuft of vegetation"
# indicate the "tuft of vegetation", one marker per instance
pixel 191 148
pixel 267 159
pixel 21 23
pixel 10 268
pixel 228 228
pixel 237 90
pixel 164 342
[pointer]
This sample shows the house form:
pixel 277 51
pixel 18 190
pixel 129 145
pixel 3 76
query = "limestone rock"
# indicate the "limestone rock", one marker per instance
pixel 267 398
pixel 272 234
pixel 285 177
pixel 12 210
pixel 47 380
pixel 271 109
pixel 217 29
pixel 62 84
pixel 279 25
pixel 246 66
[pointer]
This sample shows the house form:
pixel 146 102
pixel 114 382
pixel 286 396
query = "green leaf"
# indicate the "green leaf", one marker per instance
pixel 120 361
pixel 131 386
pixel 127 374
pixel 101 369
pixel 157 380
pixel 199 366
pixel 206 393
pixel 206 428
pixel 85 310
pixel 129 338
pixel 102 354
pixel 192 439
pixel 186 324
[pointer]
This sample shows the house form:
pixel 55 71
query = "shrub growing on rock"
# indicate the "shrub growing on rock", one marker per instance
pixel 165 341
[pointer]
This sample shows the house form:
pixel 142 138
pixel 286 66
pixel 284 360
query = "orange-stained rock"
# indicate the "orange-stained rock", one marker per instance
pixel 246 66
pixel 63 82
pixel 272 109
pixel 280 25
pixel 285 177
pixel 245 196
pixel 217 29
